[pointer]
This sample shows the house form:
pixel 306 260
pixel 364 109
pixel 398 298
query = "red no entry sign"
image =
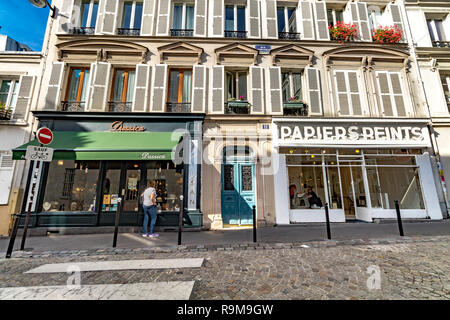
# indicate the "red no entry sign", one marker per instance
pixel 44 135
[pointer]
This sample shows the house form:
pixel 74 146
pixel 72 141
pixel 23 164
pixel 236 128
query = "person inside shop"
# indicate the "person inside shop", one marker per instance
pixel 313 199
pixel 149 205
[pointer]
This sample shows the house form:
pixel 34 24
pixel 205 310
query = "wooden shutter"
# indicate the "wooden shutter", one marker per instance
pixel 110 17
pixel 148 15
pixel 363 18
pixel 320 14
pixel 159 88
pixel 162 25
pixel 391 94
pixel 305 23
pixel 141 88
pixel 6 176
pixel 398 94
pixel 271 19
pixel 100 13
pixel 65 16
pixel 199 89
pixel 216 23
pixel 385 94
pixel 396 17
pixel 52 99
pixel 26 85
pixel 256 90
pixel 201 12
pixel 341 93
pixel 276 99
pixel 218 89
pixel 314 91
pixel 99 89
pixel 253 19
pixel 355 99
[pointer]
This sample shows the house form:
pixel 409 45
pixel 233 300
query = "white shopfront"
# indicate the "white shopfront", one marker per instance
pixel 358 167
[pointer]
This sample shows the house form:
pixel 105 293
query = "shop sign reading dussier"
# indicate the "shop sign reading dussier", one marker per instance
pixel 351 133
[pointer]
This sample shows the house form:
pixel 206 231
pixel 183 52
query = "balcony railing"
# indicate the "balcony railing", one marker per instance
pixel 73 106
pixel 179 107
pixel 128 32
pixel 5 113
pixel 82 30
pixel 237 107
pixel 441 44
pixel 181 32
pixel 236 34
pixel 119 106
pixel 289 35
pixel 295 109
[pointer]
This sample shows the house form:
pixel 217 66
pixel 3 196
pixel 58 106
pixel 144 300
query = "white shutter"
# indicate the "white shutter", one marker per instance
pixel 320 14
pixel 256 90
pixel 199 89
pixel 314 91
pixel 348 93
pixel 6 176
pixel 162 25
pixel 253 19
pixel 52 98
pixel 159 88
pixel 100 13
pixel 216 23
pixel 305 24
pixel 65 16
pixel 395 17
pixel 218 89
pixel 276 99
pixel 270 19
pixel 363 19
pixel 99 89
pixel 391 94
pixel 141 88
pixel 26 85
pixel 200 19
pixel 110 13
pixel 148 15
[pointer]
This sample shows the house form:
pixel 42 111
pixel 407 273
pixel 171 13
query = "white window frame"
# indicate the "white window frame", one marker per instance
pixel 286 18
pixel 434 30
pixel 373 21
pixel 183 13
pixel 447 80
pixel 333 13
pixel 291 83
pixel 392 94
pixel 14 82
pixel 133 13
pixel 348 92
pixel 235 6
pixel 89 17
pixel 235 74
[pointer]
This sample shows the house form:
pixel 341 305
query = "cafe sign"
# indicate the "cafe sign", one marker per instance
pixel 118 126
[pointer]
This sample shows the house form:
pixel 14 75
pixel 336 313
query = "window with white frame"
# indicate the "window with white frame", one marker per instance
pixel 436 30
pixel 335 15
pixel 89 10
pixel 132 15
pixel 234 19
pixel 445 79
pixel 391 94
pixel 291 86
pixel 236 85
pixel 375 16
pixel 286 19
pixel 183 16
pixel 348 92
pixel 9 89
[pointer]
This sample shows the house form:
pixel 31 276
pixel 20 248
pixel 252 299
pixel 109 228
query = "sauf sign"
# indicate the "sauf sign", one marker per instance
pixel 353 133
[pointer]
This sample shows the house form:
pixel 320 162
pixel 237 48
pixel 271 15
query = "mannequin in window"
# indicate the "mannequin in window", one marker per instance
pixel 314 200
pixel 292 192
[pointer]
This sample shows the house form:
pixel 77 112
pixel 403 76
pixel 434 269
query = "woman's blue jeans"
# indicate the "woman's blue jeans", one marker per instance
pixel 149 213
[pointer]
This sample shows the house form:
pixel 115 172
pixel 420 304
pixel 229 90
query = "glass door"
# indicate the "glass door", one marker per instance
pixel 131 188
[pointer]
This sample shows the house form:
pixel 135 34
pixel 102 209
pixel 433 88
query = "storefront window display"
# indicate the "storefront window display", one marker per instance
pixel 71 186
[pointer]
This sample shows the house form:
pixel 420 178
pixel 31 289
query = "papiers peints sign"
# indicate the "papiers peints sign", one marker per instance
pixel 351 133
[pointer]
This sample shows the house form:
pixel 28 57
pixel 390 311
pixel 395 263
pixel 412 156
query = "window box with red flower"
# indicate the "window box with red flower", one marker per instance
pixel 343 31
pixel 387 34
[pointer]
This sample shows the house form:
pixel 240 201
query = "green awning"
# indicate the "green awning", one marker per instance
pixel 70 145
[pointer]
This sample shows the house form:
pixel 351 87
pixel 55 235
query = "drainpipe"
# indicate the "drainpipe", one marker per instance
pixel 434 145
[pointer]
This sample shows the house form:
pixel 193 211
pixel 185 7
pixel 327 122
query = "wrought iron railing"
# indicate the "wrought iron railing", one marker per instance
pixel 179 107
pixel 236 34
pixel 289 35
pixel 441 44
pixel 181 32
pixel 237 107
pixel 295 109
pixel 82 30
pixel 5 113
pixel 128 32
pixel 119 106
pixel 73 106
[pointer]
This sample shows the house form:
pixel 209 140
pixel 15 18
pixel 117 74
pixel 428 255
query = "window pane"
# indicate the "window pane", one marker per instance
pixel 130 85
pixel 94 14
pixel 15 92
pixel 334 187
pixel 71 187
pixel 291 20
pixel 127 14
pixel 138 16
pixel 306 188
pixel 118 85
pixel 73 86
pixel 229 18
pixel 242 86
pixel 111 187
pixel 177 16
pixel 241 19
pixel 4 91
pixel 187 80
pixel 247 178
pixel 297 85
pixel 173 86
pixel 430 30
pixel 339 15
pixel 330 17
pixel 85 12
pixel 230 86
pixel 280 19
pixel 228 177
pixel 286 88
pixel 85 84
pixel 440 30
pixel 189 17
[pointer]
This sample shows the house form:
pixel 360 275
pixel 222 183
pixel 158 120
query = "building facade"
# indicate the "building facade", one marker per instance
pixel 267 105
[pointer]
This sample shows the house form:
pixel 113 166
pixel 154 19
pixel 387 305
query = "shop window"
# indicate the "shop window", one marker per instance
pixel 9 89
pixel 76 90
pixel 89 10
pixel 111 187
pixel 182 19
pixel 180 86
pixel 306 188
pixel 286 20
pixel 71 186
pixel 123 90
pixel 131 19
pixel 235 21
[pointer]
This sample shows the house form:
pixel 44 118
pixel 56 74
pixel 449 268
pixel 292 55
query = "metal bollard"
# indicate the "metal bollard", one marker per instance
pixel 116 225
pixel 254 223
pixel 399 218
pixel 180 220
pixel 12 239
pixel 327 217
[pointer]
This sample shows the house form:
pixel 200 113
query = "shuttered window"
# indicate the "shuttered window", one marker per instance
pixel 131 18
pixel 348 93
pixel 6 175
pixel 391 94
pixel 89 11
pixel 305 24
pixel 148 17
pixel 291 86
pixel 76 89
pixel 321 21
pixel 183 17
pixel 216 22
pixel 141 90
pixel 9 89
pixel 286 19
pixel 356 13
pixel 236 85
pixel 122 90
pixel 180 90
pixel 334 16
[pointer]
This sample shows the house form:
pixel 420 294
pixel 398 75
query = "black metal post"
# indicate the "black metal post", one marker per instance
pixel 33 193
pixel 399 218
pixel 254 223
pixel 12 239
pixel 327 217
pixel 180 220
pixel 116 224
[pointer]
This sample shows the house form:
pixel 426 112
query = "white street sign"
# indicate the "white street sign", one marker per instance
pixel 39 153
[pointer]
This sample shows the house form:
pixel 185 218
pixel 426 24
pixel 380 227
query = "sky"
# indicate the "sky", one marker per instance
pixel 20 20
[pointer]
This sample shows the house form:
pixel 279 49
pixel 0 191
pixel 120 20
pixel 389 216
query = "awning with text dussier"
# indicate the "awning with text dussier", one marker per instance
pixel 69 145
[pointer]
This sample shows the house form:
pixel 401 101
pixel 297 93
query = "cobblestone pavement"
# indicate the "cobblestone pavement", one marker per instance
pixel 409 269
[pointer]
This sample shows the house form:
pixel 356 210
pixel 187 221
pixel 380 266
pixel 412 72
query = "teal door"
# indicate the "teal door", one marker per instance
pixel 238 193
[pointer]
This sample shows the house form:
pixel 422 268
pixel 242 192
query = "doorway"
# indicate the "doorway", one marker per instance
pixel 353 190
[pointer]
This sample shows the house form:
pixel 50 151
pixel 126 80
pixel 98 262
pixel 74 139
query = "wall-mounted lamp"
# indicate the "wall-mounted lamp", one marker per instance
pixel 43 4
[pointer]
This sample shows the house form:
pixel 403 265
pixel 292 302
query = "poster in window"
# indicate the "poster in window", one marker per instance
pixel 106 199
pixel 114 198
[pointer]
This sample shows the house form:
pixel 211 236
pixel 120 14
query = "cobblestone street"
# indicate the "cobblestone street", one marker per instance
pixel 409 269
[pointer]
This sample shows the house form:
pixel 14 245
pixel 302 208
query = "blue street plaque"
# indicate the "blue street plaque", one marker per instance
pixel 263 48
